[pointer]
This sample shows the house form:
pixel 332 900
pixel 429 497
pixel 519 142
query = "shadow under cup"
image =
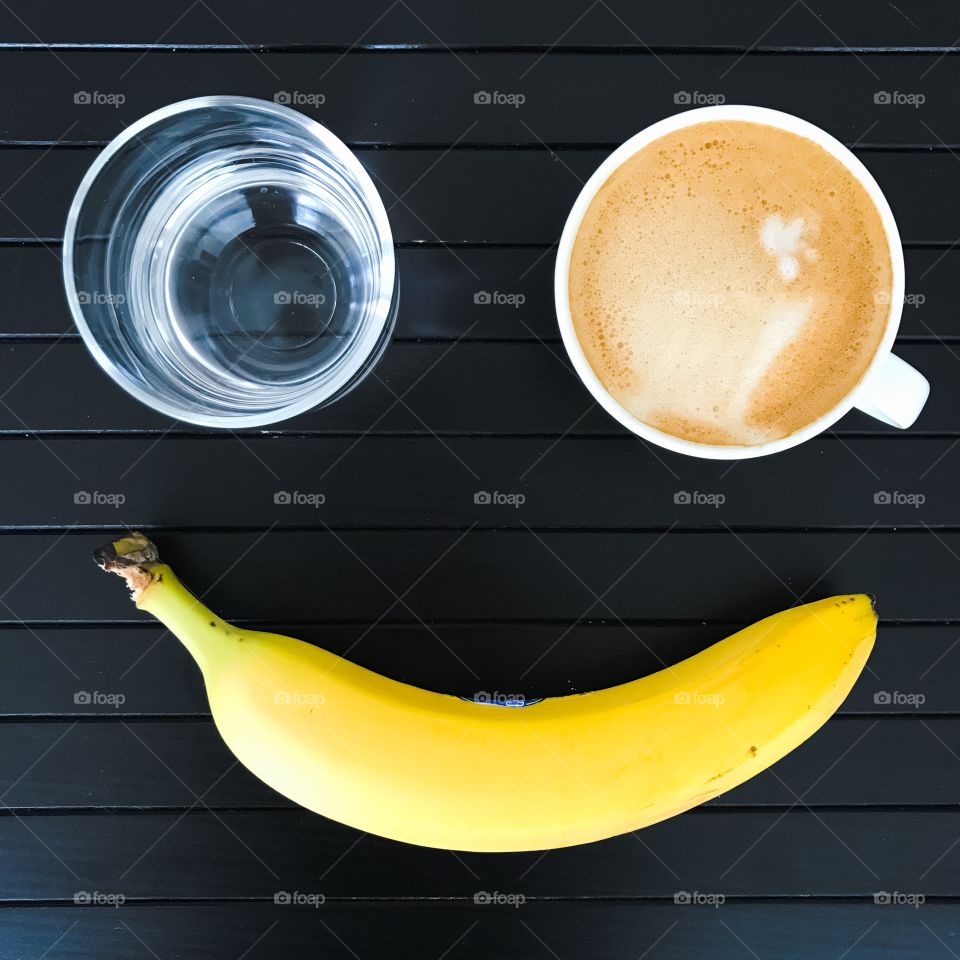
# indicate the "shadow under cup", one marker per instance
pixel 229 262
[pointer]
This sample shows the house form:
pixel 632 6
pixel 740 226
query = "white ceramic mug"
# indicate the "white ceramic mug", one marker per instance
pixel 890 389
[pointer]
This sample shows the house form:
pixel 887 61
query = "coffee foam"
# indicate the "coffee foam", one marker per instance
pixel 730 283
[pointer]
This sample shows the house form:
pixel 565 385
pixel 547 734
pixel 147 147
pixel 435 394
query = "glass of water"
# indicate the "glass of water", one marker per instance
pixel 229 262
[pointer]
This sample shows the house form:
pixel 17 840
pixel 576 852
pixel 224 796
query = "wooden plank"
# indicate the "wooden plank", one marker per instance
pixel 493 196
pixel 257 853
pixel 497 574
pixel 588 931
pixel 440 294
pixel 501 388
pixel 164 764
pixel 502 483
pixel 434 24
pixel 47 667
pixel 394 98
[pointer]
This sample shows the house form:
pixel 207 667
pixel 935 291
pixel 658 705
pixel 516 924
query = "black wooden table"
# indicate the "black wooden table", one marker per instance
pixel 114 784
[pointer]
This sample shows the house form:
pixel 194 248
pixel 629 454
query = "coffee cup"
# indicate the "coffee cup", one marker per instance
pixel 887 388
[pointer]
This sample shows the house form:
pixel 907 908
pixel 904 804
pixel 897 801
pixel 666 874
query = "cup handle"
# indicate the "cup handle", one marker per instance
pixel 893 392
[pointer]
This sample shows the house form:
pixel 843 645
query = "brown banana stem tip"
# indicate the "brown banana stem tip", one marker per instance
pixel 132 557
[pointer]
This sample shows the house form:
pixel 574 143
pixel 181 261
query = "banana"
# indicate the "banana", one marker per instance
pixel 440 771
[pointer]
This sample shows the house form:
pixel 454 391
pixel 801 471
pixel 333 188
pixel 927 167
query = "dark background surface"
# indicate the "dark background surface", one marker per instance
pixel 597 578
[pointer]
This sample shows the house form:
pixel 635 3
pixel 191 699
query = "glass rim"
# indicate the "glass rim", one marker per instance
pixel 373 204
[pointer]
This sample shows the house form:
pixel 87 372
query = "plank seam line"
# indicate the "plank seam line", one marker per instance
pixel 488 49
pixel 710 809
pixel 650 622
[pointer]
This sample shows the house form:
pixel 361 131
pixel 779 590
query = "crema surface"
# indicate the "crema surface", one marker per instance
pixel 730 283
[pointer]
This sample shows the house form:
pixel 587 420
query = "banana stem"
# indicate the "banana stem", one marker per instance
pixel 155 588
pixel 134 558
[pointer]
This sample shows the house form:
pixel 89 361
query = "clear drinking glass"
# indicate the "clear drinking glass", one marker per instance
pixel 229 262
